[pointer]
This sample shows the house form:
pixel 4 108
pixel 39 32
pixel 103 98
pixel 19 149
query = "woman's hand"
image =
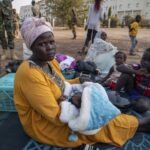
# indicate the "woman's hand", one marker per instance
pixel 62 98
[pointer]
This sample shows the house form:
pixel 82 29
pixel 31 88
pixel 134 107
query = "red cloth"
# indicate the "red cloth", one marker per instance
pixel 112 85
pixel 142 84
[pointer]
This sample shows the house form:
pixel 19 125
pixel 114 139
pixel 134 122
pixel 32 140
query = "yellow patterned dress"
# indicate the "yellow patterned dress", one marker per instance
pixel 36 96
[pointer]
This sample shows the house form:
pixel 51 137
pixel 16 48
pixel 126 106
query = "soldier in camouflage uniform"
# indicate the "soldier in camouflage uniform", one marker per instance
pixel 15 23
pixel 35 9
pixel 6 24
pixel 74 24
pixel 2 32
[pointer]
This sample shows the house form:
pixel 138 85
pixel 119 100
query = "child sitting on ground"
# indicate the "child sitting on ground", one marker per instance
pixel 111 78
pixel 136 80
pixel 102 35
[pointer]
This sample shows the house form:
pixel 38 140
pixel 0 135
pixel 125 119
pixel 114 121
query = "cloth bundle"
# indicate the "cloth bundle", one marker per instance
pixel 95 112
pixel 65 61
pixel 102 54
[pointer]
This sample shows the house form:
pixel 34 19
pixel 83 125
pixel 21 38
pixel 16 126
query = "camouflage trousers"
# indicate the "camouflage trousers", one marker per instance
pixel 6 26
pixel 16 29
pixel 74 31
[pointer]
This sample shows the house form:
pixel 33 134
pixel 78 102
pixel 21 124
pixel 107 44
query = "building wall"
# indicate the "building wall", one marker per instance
pixel 146 11
pixel 128 7
pixel 42 8
pixel 25 11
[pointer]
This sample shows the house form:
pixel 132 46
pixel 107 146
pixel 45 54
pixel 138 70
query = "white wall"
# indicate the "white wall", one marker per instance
pixel 25 12
pixel 146 11
pixel 128 7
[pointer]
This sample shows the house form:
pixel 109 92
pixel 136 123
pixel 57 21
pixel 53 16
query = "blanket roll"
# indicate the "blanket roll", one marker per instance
pixel 96 110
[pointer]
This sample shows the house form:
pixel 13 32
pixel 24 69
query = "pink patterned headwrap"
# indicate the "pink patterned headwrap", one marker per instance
pixel 32 28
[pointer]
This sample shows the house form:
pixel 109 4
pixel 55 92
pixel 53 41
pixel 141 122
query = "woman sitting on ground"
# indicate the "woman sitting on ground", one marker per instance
pixel 38 88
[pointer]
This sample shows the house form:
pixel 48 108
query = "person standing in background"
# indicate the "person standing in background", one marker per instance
pixel 6 24
pixel 15 23
pixel 35 9
pixel 74 24
pixel 133 30
pixel 93 23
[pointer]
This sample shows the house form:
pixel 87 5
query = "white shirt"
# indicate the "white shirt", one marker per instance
pixel 93 21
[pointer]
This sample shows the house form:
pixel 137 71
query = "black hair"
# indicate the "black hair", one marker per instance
pixel 122 53
pixel 138 18
pixel 33 2
pixel 97 5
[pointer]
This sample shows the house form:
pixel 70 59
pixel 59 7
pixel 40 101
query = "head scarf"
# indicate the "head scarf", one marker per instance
pixel 32 28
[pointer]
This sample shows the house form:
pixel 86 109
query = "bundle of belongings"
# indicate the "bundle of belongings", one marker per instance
pixel 67 65
pixel 71 68
pixel 102 54
pixel 65 61
pixel 87 68
pixel 95 110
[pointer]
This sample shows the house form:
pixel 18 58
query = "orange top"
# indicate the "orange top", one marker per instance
pixel 134 29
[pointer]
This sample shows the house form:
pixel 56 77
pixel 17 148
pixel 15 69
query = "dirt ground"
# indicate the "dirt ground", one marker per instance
pixel 117 36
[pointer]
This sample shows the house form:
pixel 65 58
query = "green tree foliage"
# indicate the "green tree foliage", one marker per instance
pixel 114 21
pixel 145 23
pixel 62 9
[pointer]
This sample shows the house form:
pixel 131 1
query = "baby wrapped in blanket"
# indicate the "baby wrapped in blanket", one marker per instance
pixel 95 111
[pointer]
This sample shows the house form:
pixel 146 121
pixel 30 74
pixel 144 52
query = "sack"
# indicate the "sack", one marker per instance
pixel 87 69
pixel 102 54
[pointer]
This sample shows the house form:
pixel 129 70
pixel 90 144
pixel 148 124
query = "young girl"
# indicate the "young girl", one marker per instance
pixel 111 78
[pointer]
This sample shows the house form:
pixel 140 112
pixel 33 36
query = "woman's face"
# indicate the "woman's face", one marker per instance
pixel 145 61
pixel 44 47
